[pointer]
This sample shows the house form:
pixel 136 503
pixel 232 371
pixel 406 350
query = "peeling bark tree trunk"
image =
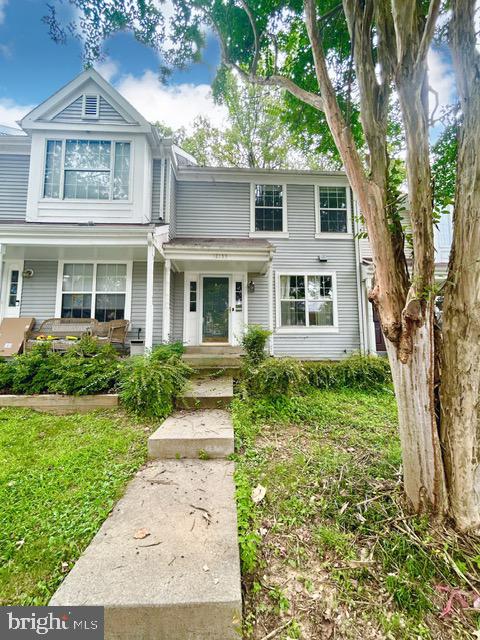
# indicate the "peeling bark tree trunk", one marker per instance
pixel 460 385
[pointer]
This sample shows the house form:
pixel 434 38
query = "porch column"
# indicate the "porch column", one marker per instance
pixel 166 301
pixel 149 307
pixel 2 254
pixel 270 307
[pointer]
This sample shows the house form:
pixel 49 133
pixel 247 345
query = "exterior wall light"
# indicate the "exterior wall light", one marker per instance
pixel 251 287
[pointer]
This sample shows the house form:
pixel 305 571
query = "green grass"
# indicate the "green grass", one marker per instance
pixel 59 478
pixel 333 546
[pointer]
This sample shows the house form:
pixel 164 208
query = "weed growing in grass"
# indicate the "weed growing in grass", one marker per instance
pixel 332 545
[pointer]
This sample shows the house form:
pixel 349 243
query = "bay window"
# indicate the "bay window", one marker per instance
pixel 87 170
pixel 94 290
pixel 307 300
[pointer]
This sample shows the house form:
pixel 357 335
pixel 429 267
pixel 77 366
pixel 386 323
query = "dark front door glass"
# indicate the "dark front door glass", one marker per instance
pixel 215 310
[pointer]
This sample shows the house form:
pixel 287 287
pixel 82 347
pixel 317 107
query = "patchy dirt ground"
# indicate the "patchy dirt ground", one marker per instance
pixel 331 550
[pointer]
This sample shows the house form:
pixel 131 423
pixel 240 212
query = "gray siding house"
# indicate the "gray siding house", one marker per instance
pixel 101 217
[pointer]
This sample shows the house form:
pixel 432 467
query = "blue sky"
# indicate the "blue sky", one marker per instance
pixel 32 67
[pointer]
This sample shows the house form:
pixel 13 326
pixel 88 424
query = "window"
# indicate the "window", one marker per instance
pixel 90 106
pixel 307 300
pixel 87 170
pixel 333 210
pixel 193 296
pixel 94 290
pixel 13 289
pixel 268 208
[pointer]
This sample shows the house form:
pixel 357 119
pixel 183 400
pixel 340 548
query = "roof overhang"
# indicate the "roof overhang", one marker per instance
pixel 219 256
pixel 43 241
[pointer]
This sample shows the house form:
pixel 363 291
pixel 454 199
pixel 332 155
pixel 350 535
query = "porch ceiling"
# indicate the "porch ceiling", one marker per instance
pixel 219 254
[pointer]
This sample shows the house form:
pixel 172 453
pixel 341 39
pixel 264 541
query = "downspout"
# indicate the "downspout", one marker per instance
pixel 361 310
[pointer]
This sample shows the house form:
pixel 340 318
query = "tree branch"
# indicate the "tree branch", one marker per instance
pixel 428 31
pixel 275 80
pixel 256 37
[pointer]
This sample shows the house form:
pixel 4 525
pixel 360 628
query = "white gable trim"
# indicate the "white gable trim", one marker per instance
pixel 71 91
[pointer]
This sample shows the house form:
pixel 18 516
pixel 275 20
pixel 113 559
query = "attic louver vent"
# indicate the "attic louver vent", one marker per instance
pixel 91 106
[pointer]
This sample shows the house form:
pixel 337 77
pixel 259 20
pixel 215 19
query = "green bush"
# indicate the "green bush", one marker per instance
pixel 149 384
pixel 254 341
pixel 164 352
pixel 32 372
pixel 277 377
pixel 87 367
pixel 362 372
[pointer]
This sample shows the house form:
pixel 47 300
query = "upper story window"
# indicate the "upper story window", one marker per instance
pixel 333 210
pixel 268 208
pixel 87 170
pixel 307 300
pixel 91 106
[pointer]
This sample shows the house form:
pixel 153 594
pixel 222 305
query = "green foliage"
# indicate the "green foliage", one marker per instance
pixel 60 476
pixel 148 384
pixel 276 377
pixel 248 538
pixel 87 367
pixel 254 342
pixel 356 371
pixel 444 167
pixel 163 352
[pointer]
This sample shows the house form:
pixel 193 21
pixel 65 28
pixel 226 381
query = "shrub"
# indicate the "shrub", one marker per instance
pixel 363 372
pixel 254 341
pixel 277 377
pixel 87 367
pixel 164 352
pixel 149 384
pixel 32 372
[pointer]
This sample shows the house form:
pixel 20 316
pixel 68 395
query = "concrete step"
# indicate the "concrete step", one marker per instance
pixel 207 393
pixel 212 361
pixel 182 581
pixel 214 350
pixel 193 434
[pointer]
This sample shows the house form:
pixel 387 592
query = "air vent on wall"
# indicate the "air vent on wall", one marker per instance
pixel 91 103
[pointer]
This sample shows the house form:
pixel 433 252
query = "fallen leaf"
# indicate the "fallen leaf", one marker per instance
pixel 64 567
pixel 258 493
pixel 20 543
pixel 205 567
pixel 141 534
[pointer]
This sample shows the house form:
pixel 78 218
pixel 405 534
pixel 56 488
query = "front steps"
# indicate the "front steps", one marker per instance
pixel 211 392
pixel 213 357
pixel 193 434
pixel 180 582
pixel 165 564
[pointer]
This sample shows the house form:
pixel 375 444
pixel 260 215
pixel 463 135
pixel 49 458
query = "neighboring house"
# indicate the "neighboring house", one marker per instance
pixel 100 217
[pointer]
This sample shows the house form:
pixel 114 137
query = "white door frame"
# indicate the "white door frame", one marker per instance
pixel 193 320
pixel 227 276
pixel 8 267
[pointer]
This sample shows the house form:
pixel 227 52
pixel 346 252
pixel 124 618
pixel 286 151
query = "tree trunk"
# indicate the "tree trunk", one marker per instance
pixel 460 385
pixel 414 383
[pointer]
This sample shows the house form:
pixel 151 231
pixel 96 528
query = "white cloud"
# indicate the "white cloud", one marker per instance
pixel 107 68
pixel 441 78
pixel 175 105
pixel 10 112
pixel 3 4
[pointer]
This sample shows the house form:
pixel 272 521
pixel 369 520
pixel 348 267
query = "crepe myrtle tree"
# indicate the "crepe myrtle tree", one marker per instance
pixel 346 63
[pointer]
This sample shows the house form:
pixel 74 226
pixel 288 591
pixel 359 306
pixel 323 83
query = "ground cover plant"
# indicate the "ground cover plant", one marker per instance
pixel 147 384
pixel 332 551
pixel 59 478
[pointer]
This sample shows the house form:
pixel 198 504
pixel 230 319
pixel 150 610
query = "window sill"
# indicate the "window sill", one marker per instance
pixel 268 234
pixel 334 236
pixel 305 331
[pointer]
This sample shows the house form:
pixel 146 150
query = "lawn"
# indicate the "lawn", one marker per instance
pixel 332 551
pixel 59 478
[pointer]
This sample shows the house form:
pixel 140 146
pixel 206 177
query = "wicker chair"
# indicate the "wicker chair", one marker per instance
pixel 113 332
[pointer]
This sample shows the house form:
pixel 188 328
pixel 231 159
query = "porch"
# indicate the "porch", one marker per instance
pixel 214 283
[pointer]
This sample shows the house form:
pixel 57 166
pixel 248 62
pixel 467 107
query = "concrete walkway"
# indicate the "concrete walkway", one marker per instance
pixel 165 564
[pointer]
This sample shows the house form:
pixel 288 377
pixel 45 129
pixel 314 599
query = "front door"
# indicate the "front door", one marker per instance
pixel 215 309
pixel 12 288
